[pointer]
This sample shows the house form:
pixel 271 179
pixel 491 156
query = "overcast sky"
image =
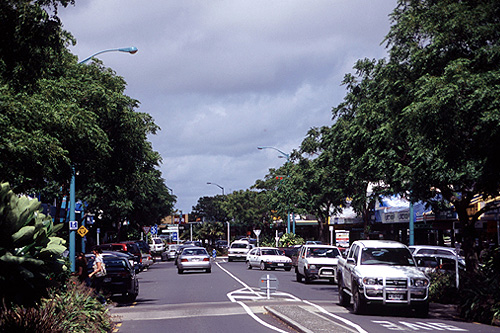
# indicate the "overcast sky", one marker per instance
pixel 221 77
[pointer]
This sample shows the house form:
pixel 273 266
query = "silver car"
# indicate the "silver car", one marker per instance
pixel 195 258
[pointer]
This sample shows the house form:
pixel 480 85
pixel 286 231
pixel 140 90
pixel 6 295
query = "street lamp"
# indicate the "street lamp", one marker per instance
pixel 287 156
pixel 222 188
pixel 72 240
pixel 131 50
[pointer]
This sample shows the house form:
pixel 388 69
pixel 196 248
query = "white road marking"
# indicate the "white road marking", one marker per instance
pixel 258 296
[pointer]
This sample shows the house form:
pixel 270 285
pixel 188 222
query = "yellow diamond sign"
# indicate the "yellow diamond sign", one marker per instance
pixel 82 231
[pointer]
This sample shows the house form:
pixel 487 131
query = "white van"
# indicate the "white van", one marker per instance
pixel 157 246
pixel 239 250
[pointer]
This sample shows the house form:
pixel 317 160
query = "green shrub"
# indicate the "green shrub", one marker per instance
pixel 442 288
pixel 479 292
pixel 73 310
pixel 30 254
pixel 290 239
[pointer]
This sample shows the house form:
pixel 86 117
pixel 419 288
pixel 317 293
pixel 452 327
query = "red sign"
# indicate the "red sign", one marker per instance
pixel 146 229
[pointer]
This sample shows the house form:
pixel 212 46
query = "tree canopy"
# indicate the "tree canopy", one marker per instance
pixel 57 115
pixel 424 123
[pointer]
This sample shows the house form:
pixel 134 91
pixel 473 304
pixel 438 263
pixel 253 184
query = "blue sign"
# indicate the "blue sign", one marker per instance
pixel 73 225
pixel 154 230
pixel 174 236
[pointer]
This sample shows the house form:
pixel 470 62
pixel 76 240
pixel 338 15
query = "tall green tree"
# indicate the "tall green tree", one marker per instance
pixel 56 115
pixel 210 209
pixel 429 117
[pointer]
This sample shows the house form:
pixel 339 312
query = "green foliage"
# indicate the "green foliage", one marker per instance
pixel 479 294
pixel 290 239
pixel 30 253
pixel 73 310
pixel 210 209
pixel 442 288
pixel 56 114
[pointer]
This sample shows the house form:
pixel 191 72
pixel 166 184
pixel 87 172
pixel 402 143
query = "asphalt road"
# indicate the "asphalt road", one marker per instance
pixel 229 300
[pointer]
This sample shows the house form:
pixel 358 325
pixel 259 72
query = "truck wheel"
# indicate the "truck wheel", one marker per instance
pixel 229 259
pixel 299 276
pixel 307 279
pixel 359 303
pixel 422 310
pixel 344 298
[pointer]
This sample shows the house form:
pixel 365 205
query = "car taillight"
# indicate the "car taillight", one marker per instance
pixel 124 274
pixel 206 259
pixel 184 260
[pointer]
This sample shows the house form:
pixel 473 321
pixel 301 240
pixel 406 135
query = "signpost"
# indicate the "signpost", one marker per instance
pixel 257 233
pixel 268 283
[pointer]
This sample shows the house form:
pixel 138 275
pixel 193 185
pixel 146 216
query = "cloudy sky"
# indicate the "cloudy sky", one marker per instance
pixel 222 77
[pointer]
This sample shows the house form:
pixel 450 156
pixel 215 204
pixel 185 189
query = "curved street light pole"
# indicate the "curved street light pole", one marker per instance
pixel 287 156
pixel 72 236
pixel 222 188
pixel 131 50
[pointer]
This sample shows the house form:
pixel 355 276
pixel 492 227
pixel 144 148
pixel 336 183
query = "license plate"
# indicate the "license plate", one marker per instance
pixel 395 296
pixel 327 273
pixel 107 280
pixel 195 259
pixel 281 264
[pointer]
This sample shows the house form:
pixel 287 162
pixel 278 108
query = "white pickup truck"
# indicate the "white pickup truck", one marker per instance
pixel 317 262
pixel 382 272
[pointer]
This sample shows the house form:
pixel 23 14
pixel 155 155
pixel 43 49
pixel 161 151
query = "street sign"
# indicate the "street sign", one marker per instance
pixel 268 283
pixel 257 232
pixel 82 231
pixel 154 230
pixel 73 225
pixel 146 229
pixel 174 236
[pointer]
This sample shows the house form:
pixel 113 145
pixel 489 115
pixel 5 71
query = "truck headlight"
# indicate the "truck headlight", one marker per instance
pixel 372 281
pixel 312 267
pixel 419 282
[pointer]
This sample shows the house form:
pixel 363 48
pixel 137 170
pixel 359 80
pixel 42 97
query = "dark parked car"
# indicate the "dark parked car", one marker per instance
pixel 120 278
pixel 127 246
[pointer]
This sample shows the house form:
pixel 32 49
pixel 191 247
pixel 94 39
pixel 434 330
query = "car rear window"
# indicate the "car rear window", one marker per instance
pixel 194 252
pixel 239 246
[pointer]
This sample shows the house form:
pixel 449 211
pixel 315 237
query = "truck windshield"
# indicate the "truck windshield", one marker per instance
pixel 323 252
pixel 239 246
pixel 387 256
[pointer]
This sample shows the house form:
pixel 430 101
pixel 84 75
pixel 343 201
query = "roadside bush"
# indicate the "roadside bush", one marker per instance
pixel 479 292
pixel 73 310
pixel 442 288
pixel 290 239
pixel 30 253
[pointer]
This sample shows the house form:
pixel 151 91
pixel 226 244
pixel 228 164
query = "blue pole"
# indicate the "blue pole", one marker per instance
pixel 412 225
pixel 72 218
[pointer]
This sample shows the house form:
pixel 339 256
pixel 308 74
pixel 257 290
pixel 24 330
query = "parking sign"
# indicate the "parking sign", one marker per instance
pixel 174 236
pixel 73 225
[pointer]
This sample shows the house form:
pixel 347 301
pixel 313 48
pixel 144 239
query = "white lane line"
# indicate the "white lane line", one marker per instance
pixel 244 306
pixel 251 314
pixel 345 321
pixel 229 295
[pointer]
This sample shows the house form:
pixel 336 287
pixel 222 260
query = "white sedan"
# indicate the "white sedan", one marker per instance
pixel 268 257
